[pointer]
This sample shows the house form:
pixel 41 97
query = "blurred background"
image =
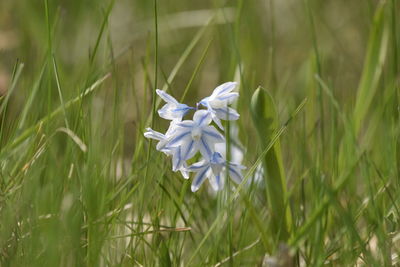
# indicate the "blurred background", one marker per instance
pixel 312 49
pixel 272 40
pixel 267 43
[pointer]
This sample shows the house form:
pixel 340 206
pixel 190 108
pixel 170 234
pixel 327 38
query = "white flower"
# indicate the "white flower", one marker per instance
pixel 184 139
pixel 173 110
pixel 195 135
pixel 161 138
pixel 214 170
pixel 174 152
pixel 217 103
pixel 236 148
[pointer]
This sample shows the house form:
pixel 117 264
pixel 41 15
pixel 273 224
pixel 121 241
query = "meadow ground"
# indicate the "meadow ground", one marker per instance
pixel 80 185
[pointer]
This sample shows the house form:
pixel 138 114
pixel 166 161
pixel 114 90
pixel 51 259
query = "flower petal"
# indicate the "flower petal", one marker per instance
pixel 217 159
pixel 185 124
pixel 172 112
pixel 195 167
pixel 162 146
pixel 227 113
pixel 199 179
pixel 177 160
pixel 202 117
pixel 188 149
pixel 184 171
pixel 206 148
pixel 216 182
pixel 179 137
pixel 224 88
pixel 182 108
pixel 238 166
pixel 154 134
pixel 217 121
pixel 166 113
pixel 166 97
pixel 171 129
pixel 204 101
pixel 235 174
pixel 227 98
pixel 213 134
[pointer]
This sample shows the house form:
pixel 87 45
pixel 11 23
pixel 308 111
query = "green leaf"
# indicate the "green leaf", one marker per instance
pixel 265 119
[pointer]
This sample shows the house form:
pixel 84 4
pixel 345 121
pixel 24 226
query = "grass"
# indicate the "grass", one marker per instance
pixel 81 186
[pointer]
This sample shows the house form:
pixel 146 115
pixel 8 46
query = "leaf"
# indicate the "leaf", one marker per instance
pixel 265 119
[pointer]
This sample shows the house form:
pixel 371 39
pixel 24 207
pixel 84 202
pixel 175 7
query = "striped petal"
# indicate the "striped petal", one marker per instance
pixel 195 167
pixel 171 129
pixel 199 178
pixel 173 112
pixel 166 97
pixel 227 113
pixel 224 88
pixel 179 137
pixel 204 101
pixel 227 98
pixel 206 149
pixel 165 112
pixel 235 173
pixel 217 121
pixel 162 146
pixel 185 124
pixel 184 171
pixel 177 160
pixel 202 117
pixel 188 149
pixel 154 134
pixel 213 135
pixel 216 182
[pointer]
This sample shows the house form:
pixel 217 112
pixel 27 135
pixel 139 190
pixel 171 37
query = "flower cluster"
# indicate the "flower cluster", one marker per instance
pixel 185 138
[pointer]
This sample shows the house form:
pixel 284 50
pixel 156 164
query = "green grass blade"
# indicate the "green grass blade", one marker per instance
pixel 29 101
pixel 373 66
pixel 60 92
pixel 28 132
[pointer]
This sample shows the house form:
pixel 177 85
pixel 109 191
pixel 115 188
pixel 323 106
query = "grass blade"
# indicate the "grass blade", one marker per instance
pixel 373 66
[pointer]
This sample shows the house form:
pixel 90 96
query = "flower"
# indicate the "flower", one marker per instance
pixel 184 139
pixel 236 147
pixel 195 135
pixel 173 110
pixel 174 152
pixel 161 138
pixel 214 170
pixel 217 103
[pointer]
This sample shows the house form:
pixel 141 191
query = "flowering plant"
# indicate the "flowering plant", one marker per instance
pixel 185 138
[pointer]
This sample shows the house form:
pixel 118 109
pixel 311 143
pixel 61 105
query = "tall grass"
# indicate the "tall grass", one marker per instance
pixel 81 186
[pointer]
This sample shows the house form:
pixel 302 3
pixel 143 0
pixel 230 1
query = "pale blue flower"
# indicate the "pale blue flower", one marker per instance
pixel 161 138
pixel 217 103
pixel 173 110
pixel 184 139
pixel 236 148
pixel 174 152
pixel 195 135
pixel 215 169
